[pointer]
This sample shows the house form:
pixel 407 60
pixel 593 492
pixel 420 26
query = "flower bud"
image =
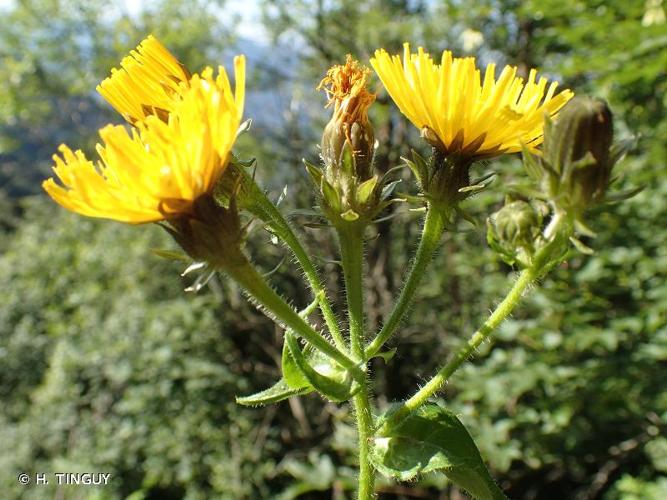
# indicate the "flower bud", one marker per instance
pixel 514 230
pixel 517 223
pixel 577 149
pixel 348 144
pixel 359 138
pixel 345 86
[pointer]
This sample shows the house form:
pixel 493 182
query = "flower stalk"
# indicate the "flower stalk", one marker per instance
pixel 351 237
pixel 238 183
pixel 284 232
pixel 434 226
pixel 550 254
pixel 501 312
pixel 259 290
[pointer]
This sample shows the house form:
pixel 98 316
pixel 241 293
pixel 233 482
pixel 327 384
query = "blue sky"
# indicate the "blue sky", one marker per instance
pixel 248 12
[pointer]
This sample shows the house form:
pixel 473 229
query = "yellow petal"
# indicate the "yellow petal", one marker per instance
pixel 147 83
pixel 451 99
pixel 158 169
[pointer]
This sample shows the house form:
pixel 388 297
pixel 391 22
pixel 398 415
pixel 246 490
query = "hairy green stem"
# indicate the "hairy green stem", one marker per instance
pixel 259 204
pixel 284 232
pixel 434 226
pixel 435 384
pixel 352 254
pixel 257 287
pixel 363 412
pixel 557 233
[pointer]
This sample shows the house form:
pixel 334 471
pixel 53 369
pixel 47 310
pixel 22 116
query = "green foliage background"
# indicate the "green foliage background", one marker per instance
pixel 107 365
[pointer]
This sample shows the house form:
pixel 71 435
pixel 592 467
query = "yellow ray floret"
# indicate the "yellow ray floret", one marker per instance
pixel 157 170
pixel 469 115
pixel 148 81
pixel 345 86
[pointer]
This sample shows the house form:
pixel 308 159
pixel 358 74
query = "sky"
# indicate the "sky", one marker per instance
pixel 248 12
pixel 249 25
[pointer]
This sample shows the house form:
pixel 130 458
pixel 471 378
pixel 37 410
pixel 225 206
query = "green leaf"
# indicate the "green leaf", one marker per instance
pixel 246 164
pixel 418 166
pixel 330 195
pixel 583 248
pixel 385 177
pixel 469 189
pixel 292 374
pixel 244 127
pixel 314 171
pixel 347 159
pixel 389 189
pixel 323 375
pixel 486 177
pixel 366 189
pixel 582 228
pixel 274 394
pixel 588 160
pixel 623 195
pixel 433 439
pixel 466 216
pixel 620 149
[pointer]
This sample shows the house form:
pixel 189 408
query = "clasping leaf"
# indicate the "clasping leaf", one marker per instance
pixel 432 439
pixel 309 369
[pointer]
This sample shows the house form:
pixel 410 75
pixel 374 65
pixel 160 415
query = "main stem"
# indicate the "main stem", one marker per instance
pixel 434 225
pixel 257 287
pixel 362 408
pixel 499 314
pixel 352 253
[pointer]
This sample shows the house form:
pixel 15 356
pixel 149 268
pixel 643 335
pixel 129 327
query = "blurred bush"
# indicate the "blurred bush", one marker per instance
pixel 106 365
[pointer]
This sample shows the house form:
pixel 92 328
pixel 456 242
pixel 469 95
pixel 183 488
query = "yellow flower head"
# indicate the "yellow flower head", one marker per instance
pixel 345 86
pixel 160 168
pixel 148 82
pixel 463 114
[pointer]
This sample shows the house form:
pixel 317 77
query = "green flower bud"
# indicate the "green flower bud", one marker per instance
pixel 517 223
pixel 513 232
pixel 577 150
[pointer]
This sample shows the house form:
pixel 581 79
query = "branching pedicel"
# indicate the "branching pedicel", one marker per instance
pixel 175 168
